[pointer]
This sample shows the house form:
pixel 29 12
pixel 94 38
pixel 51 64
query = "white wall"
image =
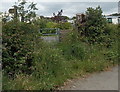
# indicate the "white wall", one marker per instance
pixel 70 21
pixel 115 20
pixel 50 38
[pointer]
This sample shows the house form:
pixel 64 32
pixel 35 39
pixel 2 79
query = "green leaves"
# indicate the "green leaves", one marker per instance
pixel 64 26
pixel 26 12
pixel 95 24
pixel 32 6
pixel 18 40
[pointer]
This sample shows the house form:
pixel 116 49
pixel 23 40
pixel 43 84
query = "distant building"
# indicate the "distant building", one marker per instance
pixel 8 16
pixel 113 19
pixel 37 17
pixel 71 21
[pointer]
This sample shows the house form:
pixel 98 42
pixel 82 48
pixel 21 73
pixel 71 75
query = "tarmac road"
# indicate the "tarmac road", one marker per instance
pixel 107 80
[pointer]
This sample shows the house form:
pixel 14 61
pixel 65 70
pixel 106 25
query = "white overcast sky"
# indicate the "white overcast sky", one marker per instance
pixel 70 7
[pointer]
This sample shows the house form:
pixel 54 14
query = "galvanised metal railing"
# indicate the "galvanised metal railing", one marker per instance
pixel 49 31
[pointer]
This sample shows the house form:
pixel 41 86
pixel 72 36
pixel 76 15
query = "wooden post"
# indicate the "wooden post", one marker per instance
pixel 15 12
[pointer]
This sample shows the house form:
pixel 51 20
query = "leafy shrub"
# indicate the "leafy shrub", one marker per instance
pixel 71 51
pixel 112 56
pixel 41 23
pixel 52 64
pixel 110 35
pixel 94 25
pixel 51 25
pixel 72 47
pixel 49 60
pixel 18 46
pixel 78 51
pixel 65 25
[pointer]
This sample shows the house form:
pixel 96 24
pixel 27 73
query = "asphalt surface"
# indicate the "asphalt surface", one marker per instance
pixel 107 80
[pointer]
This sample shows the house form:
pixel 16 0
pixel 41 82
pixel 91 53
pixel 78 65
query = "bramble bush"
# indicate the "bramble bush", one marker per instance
pixel 17 47
pixel 111 35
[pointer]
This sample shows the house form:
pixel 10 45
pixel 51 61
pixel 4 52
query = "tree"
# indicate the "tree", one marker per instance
pixel 18 47
pixel 95 24
pixel 31 12
pixel 57 17
pixel 21 10
pixel 26 12
pixel 74 17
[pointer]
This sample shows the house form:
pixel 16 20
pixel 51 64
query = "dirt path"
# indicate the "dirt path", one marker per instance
pixel 107 80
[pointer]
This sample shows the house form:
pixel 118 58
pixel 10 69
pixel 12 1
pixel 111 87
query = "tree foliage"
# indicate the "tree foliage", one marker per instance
pixel 95 24
pixel 25 11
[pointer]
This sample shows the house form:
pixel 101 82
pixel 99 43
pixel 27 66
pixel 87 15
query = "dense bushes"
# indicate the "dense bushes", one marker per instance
pixel 48 60
pixel 51 25
pixel 52 68
pixel 54 64
pixel 18 47
pixel 72 51
pixel 95 29
pixel 65 25
pixel 110 35
pixel 43 23
pixel 94 26
pixel 45 66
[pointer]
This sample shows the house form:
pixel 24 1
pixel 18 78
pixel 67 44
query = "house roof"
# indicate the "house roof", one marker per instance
pixel 80 13
pixel 113 17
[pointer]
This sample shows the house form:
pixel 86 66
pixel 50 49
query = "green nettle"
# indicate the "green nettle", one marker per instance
pixel 17 47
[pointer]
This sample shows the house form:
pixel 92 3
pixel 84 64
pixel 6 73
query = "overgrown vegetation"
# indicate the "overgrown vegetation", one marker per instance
pixel 44 23
pixel 18 46
pixel 31 64
pixel 94 26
